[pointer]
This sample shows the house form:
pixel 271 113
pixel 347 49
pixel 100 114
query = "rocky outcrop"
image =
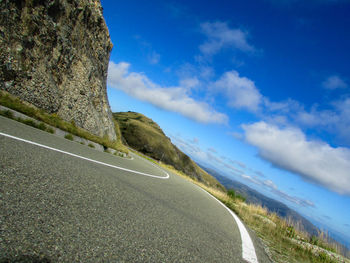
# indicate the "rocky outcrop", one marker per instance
pixel 54 54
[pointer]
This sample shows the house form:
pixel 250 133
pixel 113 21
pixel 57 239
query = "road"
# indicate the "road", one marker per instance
pixel 58 207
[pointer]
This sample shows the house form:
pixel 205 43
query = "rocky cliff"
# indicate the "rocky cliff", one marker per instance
pixel 54 54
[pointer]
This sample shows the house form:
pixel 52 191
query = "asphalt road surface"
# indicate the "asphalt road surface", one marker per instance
pixel 56 207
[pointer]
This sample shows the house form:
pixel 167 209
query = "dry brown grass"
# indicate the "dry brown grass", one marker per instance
pixel 278 235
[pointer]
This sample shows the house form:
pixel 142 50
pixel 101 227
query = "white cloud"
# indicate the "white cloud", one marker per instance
pixel 274 189
pixel 315 118
pixel 207 72
pixel 189 83
pixel 270 184
pixel 242 165
pixel 221 161
pixel 336 120
pixel 175 99
pixel 334 82
pixel 251 179
pixel 154 58
pixel 211 149
pixel 195 140
pixel 293 199
pixel 289 149
pixel 343 124
pixel 259 173
pixel 240 92
pixel 282 107
pixel 221 36
pixel 190 147
pixel 343 107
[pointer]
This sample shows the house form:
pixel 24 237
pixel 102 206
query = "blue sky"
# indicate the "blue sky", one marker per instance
pixel 258 89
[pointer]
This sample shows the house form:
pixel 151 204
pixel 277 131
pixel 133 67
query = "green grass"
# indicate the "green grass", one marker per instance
pixel 41 126
pixel 322 241
pixel 54 120
pixel 118 154
pixel 278 235
pixel 7 114
pixel 50 130
pixel 235 196
pixel 69 137
pixel 144 135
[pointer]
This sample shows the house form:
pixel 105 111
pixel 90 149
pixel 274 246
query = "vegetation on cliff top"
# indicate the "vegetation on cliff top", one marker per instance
pixel 54 55
pixel 282 240
pixel 15 103
pixel 145 136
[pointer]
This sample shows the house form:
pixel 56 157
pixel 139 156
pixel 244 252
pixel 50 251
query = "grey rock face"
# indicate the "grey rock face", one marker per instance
pixel 54 54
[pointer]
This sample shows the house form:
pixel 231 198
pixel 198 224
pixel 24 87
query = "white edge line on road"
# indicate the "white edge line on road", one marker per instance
pixel 149 162
pixel 248 250
pixel 84 158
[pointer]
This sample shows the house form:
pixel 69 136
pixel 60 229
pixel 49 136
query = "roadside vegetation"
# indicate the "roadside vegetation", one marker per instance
pixel 69 137
pixel 54 120
pixel 283 241
pixel 144 135
pixel 41 126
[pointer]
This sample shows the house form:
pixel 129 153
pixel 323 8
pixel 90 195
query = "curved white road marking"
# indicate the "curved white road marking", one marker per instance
pixel 87 159
pixel 248 250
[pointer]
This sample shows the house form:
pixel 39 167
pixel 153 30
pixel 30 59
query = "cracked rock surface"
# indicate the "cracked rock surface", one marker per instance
pixel 54 54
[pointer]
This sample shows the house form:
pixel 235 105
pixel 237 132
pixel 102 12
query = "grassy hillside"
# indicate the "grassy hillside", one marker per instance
pixel 257 206
pixel 145 136
pixel 282 242
pixel 253 197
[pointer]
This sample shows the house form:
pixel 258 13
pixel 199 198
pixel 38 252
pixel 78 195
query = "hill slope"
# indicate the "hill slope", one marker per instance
pixel 145 136
pixel 272 205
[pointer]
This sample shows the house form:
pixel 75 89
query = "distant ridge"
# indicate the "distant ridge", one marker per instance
pixel 257 198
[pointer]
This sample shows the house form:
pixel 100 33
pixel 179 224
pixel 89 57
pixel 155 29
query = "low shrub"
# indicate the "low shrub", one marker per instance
pixel 69 137
pixel 54 120
pixel 7 114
